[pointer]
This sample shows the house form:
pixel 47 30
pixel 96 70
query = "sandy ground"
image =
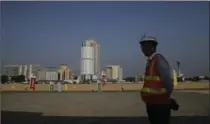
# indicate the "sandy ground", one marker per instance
pixel 189 87
pixel 95 108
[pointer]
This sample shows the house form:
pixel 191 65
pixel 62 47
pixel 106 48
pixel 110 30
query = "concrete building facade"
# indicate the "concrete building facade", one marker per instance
pixel 64 72
pixel 50 74
pixel 34 69
pixel 90 59
pixel 11 70
pixel 26 70
pixel 120 73
pixel 114 72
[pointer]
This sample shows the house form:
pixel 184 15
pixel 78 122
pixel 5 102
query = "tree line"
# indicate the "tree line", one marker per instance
pixel 18 79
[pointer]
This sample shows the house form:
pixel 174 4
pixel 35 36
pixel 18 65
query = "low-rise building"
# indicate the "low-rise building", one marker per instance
pixel 50 74
pixel 28 70
pixel 11 70
pixel 64 72
pixel 114 72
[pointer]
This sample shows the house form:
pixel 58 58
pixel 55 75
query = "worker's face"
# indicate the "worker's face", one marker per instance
pixel 148 49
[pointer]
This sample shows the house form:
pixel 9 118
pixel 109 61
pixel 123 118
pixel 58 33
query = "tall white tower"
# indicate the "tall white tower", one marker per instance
pixel 20 69
pixel 25 68
pixel 30 70
pixel 90 59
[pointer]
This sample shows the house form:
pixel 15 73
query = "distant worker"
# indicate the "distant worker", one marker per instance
pixel 51 86
pixel 99 83
pixel 103 80
pixel 158 84
pixel 33 82
pixel 59 87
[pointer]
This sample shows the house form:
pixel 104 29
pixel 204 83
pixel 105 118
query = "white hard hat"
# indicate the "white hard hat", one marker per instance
pixel 150 39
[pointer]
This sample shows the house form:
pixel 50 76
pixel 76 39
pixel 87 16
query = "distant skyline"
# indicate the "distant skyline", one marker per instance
pixel 53 31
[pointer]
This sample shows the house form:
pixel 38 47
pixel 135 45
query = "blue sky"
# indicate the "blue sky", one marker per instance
pixel 50 33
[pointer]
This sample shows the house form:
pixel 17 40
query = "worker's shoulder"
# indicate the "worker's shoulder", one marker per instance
pixel 161 58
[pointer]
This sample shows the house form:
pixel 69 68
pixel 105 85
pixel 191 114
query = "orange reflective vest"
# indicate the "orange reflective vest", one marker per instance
pixel 153 91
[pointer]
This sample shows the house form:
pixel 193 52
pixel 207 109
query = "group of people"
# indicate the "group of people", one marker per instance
pixel 32 84
pixel 51 86
pixel 100 83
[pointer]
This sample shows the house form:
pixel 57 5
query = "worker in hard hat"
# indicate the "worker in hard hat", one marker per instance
pixel 99 83
pixel 158 83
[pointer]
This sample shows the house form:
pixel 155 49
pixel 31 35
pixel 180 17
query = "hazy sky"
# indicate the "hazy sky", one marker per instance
pixel 50 33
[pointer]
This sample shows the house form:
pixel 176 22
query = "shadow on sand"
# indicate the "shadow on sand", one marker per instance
pixel 11 117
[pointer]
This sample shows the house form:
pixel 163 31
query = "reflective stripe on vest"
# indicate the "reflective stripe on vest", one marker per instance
pixel 151 78
pixel 153 91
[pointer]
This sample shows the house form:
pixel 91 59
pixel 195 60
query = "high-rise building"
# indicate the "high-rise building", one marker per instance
pixel 25 70
pixel 90 59
pixel 20 70
pixel 120 74
pixel 114 72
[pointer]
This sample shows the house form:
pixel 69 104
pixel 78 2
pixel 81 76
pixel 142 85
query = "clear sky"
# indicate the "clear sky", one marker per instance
pixel 50 33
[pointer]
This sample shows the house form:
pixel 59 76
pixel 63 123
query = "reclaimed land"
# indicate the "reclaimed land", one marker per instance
pixel 95 108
